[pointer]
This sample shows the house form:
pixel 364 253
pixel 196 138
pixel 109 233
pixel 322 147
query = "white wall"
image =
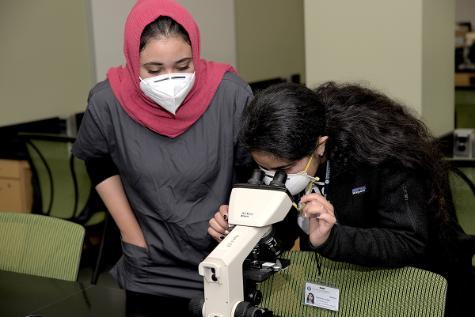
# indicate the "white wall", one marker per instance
pixel 465 11
pixel 369 41
pixel 216 20
pixel 438 44
pixel 107 19
pixel 270 38
pixel 386 45
pixel 214 17
pixel 44 59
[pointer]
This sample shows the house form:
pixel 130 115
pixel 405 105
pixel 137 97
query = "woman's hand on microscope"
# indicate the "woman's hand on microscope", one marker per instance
pixel 321 217
pixel 218 225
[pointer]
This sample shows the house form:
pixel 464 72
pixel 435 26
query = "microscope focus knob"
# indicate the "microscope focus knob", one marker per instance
pixel 245 309
pixel 255 297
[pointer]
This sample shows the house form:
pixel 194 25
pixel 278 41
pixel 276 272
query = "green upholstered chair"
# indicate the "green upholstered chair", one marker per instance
pixel 464 108
pixel 40 245
pixel 364 291
pixel 462 184
pixel 64 188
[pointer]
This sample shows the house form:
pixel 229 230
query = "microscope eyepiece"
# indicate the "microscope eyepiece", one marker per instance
pixel 279 178
pixel 256 178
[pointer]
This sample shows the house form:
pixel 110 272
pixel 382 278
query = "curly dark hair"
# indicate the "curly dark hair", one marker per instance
pixel 364 127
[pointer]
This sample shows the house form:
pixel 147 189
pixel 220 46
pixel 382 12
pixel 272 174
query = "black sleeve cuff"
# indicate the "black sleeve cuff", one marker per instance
pixel 286 231
pixel 100 169
pixel 327 247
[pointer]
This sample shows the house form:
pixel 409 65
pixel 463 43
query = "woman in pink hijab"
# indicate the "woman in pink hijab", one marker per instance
pixel 159 137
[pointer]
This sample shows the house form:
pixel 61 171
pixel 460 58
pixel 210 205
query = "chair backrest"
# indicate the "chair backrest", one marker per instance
pixel 462 185
pixel 64 185
pixel 462 180
pixel 364 291
pixel 40 245
pixel 83 184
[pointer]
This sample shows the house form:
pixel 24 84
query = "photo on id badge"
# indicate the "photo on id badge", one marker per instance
pixel 321 296
pixel 309 297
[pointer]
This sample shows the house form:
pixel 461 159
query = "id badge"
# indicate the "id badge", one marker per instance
pixel 321 295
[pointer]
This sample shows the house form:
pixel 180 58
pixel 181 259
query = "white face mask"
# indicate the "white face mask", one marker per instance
pixel 168 90
pixel 295 183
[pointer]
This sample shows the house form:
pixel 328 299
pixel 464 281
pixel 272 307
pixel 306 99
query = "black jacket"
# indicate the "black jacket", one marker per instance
pixel 382 217
pixel 385 218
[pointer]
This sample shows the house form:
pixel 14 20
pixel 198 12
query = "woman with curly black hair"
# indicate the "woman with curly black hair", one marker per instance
pixel 383 197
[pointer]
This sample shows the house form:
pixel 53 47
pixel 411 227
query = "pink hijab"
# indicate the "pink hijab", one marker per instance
pixel 125 81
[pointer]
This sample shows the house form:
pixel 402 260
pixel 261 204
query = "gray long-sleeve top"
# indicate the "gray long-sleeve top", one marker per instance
pixel 174 185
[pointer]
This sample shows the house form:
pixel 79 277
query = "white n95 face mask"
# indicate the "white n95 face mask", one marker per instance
pixel 168 90
pixel 295 183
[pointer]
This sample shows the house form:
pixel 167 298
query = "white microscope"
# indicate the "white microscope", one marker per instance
pixel 253 209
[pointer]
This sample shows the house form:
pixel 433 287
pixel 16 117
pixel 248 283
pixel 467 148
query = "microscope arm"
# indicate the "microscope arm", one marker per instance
pixel 222 270
pixel 253 209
